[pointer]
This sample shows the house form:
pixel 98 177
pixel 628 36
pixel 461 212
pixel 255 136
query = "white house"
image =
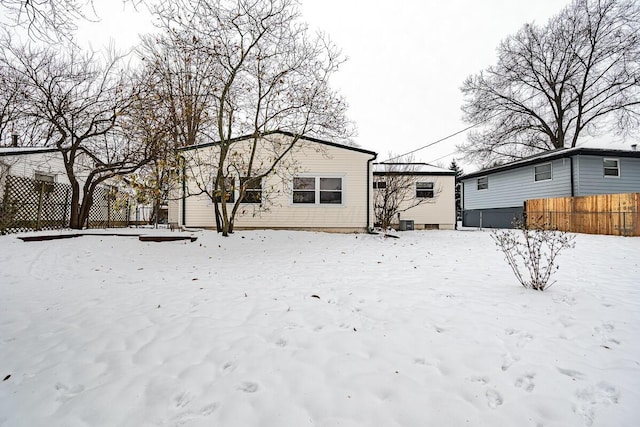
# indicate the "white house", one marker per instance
pixel 429 199
pixel 318 185
pixel 41 163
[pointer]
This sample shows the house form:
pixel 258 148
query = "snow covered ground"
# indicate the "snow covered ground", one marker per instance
pixel 271 328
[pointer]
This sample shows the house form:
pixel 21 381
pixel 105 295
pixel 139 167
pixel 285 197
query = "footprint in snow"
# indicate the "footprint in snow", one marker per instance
pixel 248 387
pixel 183 399
pixel 66 393
pixel 507 360
pixel 526 382
pixel 494 399
pixel 602 394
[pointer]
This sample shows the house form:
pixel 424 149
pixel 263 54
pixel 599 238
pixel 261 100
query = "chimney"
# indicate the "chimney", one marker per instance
pixel 14 139
pixel 634 147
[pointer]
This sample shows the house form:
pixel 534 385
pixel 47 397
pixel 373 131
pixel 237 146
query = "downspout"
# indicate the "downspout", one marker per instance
pixel 184 191
pixel 369 172
pixel 573 192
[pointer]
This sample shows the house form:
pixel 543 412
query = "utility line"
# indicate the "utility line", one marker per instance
pixel 436 142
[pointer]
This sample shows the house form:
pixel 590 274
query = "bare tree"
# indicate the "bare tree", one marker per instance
pixel 50 20
pixel 397 189
pixel 82 100
pixel 270 74
pixel 578 74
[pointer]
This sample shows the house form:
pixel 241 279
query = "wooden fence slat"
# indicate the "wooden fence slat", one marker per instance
pixel 614 214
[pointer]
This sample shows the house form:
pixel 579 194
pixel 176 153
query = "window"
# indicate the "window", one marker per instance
pixel 44 182
pixel 317 190
pixel 379 185
pixel 252 191
pixel 611 168
pixel 44 177
pixel 229 187
pixel 304 190
pixel 483 183
pixel 424 190
pixel 542 172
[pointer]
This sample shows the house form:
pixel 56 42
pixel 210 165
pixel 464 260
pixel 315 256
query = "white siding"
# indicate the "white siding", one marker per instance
pixel 439 211
pixel 278 210
pixel 26 165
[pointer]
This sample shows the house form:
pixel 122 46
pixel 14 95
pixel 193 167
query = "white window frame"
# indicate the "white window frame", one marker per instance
pixel 486 178
pixel 535 172
pixel 252 190
pixel 432 189
pixel 604 168
pixel 317 191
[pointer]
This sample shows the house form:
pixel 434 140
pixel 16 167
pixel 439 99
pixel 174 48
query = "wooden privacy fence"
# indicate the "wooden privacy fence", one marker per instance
pixel 614 214
pixel 27 205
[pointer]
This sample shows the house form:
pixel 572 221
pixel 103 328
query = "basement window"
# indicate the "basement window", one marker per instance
pixel 379 185
pixel 611 168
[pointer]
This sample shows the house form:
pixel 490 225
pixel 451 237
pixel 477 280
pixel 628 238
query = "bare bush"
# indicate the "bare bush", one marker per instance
pixel 532 253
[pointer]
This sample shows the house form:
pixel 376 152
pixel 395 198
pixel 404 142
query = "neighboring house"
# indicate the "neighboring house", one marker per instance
pixel 429 199
pixel 318 185
pixel 40 163
pixel 493 197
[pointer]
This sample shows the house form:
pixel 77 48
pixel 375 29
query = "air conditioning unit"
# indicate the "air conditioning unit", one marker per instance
pixel 406 225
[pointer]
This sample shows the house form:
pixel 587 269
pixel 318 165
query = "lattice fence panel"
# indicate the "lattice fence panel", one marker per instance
pixel 27 204
pixel 110 208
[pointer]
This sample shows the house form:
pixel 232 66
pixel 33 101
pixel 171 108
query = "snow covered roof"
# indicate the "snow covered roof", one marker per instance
pixel 552 155
pixel 409 169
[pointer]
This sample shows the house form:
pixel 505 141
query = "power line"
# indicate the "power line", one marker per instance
pixel 436 142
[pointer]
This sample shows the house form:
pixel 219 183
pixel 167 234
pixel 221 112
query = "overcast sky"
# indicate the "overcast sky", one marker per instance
pixel 407 60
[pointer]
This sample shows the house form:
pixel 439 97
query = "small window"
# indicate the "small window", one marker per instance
pixel 379 185
pixel 252 190
pixel 229 191
pixel 483 183
pixel 424 190
pixel 611 168
pixel 44 177
pixel 542 172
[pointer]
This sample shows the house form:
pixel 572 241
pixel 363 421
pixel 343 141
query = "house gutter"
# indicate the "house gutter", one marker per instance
pixel 573 192
pixel 369 189
pixel 184 191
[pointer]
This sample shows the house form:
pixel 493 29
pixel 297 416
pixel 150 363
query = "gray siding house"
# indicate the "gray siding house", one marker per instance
pixel 493 197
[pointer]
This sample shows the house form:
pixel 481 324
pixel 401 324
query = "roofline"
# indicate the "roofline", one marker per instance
pixel 27 150
pixel 552 155
pixel 414 173
pixel 282 132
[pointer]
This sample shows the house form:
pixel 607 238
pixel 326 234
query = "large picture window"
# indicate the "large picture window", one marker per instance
pixel 542 172
pixel 424 190
pixel 317 190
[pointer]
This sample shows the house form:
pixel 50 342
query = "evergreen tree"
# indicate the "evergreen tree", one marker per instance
pixel 459 172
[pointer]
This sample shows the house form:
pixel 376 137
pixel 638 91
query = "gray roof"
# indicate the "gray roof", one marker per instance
pixel 553 155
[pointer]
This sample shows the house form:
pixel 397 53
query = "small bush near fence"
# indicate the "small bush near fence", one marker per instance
pixel 532 253
pixel 27 205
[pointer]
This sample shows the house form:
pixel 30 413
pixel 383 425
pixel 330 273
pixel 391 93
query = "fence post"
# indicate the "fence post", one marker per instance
pixel 109 209
pixel 40 196
pixel 480 219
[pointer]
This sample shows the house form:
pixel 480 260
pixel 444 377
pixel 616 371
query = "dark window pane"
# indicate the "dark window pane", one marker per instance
pixel 331 197
pixel 304 197
pixel 379 184
pixel 483 183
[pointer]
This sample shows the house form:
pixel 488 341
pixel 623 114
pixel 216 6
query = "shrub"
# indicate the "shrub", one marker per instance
pixel 532 253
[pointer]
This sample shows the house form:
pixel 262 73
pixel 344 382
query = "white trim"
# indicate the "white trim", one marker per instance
pixel 317 203
pixel 478 183
pixel 604 159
